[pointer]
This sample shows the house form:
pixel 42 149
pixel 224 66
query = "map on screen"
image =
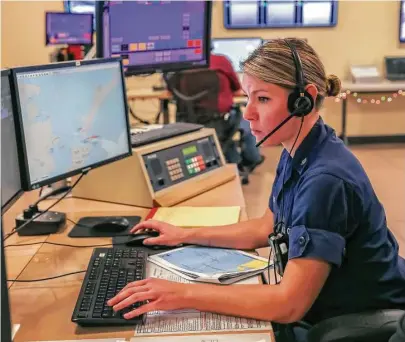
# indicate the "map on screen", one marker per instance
pixel 73 118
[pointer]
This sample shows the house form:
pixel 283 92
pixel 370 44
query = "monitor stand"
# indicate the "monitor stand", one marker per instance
pixel 52 187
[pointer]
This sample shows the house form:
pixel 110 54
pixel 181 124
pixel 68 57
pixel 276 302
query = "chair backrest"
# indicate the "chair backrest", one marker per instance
pixel 196 93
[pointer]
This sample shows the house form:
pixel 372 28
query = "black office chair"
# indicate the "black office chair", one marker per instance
pixel 196 95
pixel 370 326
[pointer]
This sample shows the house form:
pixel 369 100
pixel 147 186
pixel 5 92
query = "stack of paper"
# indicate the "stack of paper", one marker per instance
pixel 196 216
pixel 212 265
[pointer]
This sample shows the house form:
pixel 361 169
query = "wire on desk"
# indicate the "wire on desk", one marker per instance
pixel 15 229
pixel 77 224
pixel 43 279
pixel 63 244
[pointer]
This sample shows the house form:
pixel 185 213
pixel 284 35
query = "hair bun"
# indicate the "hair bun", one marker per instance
pixel 333 85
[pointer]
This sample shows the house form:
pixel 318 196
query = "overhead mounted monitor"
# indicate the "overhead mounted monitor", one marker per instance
pixel 72 118
pixel 236 49
pixel 69 28
pixel 402 22
pixel 153 36
pixel 279 13
pixel 11 188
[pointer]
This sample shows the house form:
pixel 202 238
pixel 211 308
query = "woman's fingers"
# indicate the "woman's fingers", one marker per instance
pixel 132 299
pixel 127 291
pixel 141 310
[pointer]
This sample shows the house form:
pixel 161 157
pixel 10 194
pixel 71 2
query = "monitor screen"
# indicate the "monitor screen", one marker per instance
pixel 73 117
pixel 279 13
pixel 236 49
pixel 10 171
pixel 69 28
pixel 402 22
pixel 155 35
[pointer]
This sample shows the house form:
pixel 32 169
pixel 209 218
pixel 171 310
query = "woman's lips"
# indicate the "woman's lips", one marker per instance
pixel 255 132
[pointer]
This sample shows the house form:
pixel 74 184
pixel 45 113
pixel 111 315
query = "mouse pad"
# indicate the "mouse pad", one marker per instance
pixel 84 227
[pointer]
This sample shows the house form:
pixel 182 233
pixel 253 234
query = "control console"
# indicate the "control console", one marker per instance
pixel 181 162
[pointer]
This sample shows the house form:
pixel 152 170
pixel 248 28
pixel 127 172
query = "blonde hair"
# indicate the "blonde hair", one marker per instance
pixel 273 63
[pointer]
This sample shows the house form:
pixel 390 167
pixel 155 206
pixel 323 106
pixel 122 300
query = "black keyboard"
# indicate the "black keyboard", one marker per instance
pixel 141 137
pixel 396 77
pixel 109 271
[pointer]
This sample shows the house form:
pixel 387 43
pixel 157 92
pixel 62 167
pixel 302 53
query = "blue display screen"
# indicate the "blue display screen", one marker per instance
pixel 154 32
pixel 69 28
pixel 402 22
pixel 282 13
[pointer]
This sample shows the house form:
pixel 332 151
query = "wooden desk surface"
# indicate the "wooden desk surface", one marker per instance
pixel 44 309
pixel 150 94
pixel 384 85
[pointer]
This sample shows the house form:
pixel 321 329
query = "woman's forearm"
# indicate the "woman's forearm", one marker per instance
pixel 244 235
pixel 262 302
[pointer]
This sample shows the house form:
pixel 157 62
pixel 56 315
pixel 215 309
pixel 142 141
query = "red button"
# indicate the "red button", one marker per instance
pixel 197 51
pixel 190 43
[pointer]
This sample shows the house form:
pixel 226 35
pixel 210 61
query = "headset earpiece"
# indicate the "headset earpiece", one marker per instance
pixel 300 105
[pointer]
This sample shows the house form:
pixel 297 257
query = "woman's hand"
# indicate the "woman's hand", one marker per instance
pixel 169 235
pixel 160 294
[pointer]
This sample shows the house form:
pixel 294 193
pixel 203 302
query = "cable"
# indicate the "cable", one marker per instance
pixel 44 279
pixel 62 244
pixel 15 229
pixel 137 117
pixel 77 224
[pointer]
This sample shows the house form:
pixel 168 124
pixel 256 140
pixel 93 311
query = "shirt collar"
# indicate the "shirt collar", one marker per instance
pixel 309 146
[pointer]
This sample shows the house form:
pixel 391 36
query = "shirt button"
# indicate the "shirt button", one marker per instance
pixel 288 230
pixel 303 161
pixel 301 240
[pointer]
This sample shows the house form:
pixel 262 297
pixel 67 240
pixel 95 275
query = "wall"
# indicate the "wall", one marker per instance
pixel 23 32
pixel 364 35
pixel 366 32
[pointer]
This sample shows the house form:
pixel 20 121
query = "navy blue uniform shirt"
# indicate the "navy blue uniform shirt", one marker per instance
pixel 333 214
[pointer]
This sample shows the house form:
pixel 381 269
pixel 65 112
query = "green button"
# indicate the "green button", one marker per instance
pixel 188 161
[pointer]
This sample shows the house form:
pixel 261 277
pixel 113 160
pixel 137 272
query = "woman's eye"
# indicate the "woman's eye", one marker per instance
pixel 263 99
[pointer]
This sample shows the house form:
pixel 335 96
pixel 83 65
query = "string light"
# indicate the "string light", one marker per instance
pixel 373 100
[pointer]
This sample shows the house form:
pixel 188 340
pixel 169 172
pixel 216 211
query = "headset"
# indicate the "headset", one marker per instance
pixel 300 103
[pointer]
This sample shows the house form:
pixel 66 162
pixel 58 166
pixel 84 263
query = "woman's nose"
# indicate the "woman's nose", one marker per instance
pixel 249 113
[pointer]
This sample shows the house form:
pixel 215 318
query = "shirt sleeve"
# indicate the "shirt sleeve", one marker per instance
pixel 321 219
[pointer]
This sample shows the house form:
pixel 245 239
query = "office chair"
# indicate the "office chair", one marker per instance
pixel 370 326
pixel 196 95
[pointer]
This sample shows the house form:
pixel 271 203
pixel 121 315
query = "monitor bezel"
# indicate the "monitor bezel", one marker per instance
pixel 27 185
pixel 48 43
pixel 282 26
pixel 162 67
pixel 20 192
pixel 401 23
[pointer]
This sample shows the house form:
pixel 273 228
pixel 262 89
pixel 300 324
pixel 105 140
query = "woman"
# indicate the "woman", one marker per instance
pixel 342 258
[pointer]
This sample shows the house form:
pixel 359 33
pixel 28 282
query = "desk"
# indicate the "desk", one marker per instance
pixel 164 96
pixel 366 88
pixel 44 309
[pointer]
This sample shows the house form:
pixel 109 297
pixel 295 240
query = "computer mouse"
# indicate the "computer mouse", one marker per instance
pixel 112 225
pixel 136 240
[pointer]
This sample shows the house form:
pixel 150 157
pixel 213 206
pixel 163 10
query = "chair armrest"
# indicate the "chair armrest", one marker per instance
pixel 367 326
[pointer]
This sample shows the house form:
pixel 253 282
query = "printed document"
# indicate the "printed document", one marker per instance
pixel 193 321
pixel 241 337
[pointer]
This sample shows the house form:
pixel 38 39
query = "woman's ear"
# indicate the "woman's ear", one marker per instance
pixel 312 90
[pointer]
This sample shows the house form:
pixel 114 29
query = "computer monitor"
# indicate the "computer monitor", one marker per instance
pixel 402 22
pixel 72 118
pixel 154 36
pixel 5 306
pixel 68 28
pixel 11 188
pixel 236 49
pixel 279 13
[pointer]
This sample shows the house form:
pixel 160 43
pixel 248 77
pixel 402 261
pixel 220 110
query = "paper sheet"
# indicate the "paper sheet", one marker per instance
pixel 249 337
pixel 198 216
pixel 99 340
pixel 14 330
pixel 192 321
